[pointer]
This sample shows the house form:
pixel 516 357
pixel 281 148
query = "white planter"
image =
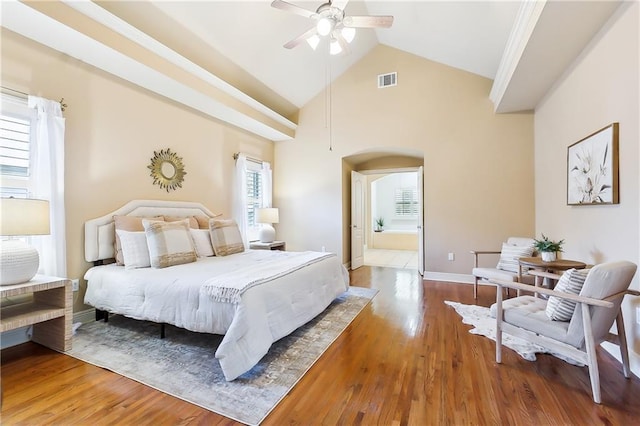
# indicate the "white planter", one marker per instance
pixel 548 256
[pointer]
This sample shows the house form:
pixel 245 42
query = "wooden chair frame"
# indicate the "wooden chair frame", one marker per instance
pixel 586 356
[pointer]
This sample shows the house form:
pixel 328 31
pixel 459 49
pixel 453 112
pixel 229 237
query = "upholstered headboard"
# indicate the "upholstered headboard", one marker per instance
pixel 99 233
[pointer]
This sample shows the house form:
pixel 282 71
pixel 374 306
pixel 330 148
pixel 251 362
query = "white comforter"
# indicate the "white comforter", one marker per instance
pixel 265 313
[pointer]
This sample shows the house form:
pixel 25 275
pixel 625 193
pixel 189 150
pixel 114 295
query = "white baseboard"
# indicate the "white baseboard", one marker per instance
pixel 634 358
pixel 448 277
pixel 15 337
pixel 85 316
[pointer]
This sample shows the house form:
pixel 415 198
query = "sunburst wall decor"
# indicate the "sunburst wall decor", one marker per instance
pixel 167 169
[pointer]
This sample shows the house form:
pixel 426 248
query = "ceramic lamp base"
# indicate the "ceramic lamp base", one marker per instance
pixel 19 262
pixel 267 233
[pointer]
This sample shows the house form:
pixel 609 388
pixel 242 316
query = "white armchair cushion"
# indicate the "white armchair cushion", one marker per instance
pixel 509 256
pixel 571 282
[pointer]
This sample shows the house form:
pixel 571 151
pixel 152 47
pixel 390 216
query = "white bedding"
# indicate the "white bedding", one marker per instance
pixel 265 313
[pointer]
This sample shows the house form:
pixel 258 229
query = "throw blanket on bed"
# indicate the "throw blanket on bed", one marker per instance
pixel 229 287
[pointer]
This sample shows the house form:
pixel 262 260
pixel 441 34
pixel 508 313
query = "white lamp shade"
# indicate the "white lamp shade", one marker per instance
pixel 19 261
pixel 24 216
pixel 267 215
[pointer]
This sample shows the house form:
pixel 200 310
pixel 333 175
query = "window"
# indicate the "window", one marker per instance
pixel 406 202
pixel 255 197
pixel 16 121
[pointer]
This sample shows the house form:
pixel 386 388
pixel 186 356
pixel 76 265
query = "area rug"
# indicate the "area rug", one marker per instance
pixel 183 364
pixel 484 324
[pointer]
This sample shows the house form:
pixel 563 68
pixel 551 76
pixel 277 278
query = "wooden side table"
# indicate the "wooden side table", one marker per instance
pixel 50 312
pixel 551 266
pixel 275 245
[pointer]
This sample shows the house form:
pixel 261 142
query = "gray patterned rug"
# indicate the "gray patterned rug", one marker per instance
pixel 183 364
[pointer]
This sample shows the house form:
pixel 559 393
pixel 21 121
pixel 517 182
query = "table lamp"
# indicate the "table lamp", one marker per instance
pixel 19 261
pixel 267 216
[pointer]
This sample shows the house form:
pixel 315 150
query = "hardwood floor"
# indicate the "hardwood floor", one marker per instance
pixel 407 359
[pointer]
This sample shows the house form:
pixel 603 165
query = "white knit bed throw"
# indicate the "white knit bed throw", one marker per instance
pixel 230 286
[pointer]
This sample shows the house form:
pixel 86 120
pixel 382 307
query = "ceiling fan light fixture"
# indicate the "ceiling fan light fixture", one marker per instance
pixel 325 26
pixel 313 41
pixel 335 48
pixel 348 34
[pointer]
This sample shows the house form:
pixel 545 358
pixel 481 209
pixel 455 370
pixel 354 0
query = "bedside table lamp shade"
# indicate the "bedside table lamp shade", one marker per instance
pixel 267 216
pixel 19 261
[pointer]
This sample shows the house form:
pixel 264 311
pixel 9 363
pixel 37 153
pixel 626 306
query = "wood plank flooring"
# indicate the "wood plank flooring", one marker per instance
pixel 407 359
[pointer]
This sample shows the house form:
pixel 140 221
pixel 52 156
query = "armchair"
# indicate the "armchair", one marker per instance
pixel 507 267
pixel 596 307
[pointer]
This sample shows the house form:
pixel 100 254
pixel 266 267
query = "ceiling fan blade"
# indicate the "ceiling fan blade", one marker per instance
pixel 302 37
pixel 340 4
pixel 368 21
pixel 288 7
pixel 343 43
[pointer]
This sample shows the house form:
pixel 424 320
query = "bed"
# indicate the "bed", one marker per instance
pixel 253 297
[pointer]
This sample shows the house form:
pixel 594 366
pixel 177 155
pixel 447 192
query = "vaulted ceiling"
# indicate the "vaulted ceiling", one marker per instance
pixel 524 47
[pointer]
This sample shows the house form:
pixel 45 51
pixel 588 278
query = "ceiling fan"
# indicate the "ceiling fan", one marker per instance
pixel 330 21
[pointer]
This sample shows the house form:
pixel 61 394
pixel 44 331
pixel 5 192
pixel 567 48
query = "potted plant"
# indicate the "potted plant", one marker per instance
pixel 379 224
pixel 548 249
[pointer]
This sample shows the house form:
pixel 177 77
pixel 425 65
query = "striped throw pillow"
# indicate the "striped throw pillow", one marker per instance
pixel 225 237
pixel 510 254
pixel 571 282
pixel 170 243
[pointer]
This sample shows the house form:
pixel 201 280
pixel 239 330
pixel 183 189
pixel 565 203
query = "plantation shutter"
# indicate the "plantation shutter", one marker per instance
pixel 406 202
pixel 254 196
pixel 14 145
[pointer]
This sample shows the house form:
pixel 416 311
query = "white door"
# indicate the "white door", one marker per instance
pixel 358 182
pixel 420 224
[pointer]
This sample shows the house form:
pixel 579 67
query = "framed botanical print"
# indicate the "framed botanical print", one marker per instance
pixel 592 168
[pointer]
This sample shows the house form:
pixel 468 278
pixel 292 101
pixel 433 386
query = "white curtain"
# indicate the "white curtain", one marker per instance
pixel 267 187
pixel 240 197
pixel 47 165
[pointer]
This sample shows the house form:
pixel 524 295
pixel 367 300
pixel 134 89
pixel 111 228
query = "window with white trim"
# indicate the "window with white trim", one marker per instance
pixel 255 195
pixel 16 123
pixel 406 202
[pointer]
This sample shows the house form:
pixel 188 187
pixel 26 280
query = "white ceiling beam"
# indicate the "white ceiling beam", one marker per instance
pixel 43 29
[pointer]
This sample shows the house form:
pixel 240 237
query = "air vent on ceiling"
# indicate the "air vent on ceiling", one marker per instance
pixel 387 80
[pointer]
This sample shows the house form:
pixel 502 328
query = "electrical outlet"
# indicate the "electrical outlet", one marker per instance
pixel 75 284
pixel 452 256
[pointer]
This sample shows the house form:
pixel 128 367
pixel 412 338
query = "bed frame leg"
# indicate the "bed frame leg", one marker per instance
pixel 102 315
pixel 162 331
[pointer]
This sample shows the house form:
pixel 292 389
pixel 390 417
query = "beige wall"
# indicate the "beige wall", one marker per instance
pixel 112 131
pixel 478 166
pixel 600 88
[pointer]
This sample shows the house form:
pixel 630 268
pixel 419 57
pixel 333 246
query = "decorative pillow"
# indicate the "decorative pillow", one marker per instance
pixel 170 243
pixel 570 282
pixel 510 254
pixel 202 240
pixel 128 223
pixel 135 251
pixel 203 221
pixel 225 237
pixel 193 223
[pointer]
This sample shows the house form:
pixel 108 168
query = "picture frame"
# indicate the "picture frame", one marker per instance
pixel 592 168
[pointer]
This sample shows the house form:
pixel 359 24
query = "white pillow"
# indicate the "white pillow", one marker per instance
pixel 570 282
pixel 135 251
pixel 202 240
pixel 510 254
pixel 170 243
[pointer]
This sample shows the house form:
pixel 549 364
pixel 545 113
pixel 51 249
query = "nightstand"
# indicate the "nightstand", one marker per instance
pixel 50 311
pixel 275 245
